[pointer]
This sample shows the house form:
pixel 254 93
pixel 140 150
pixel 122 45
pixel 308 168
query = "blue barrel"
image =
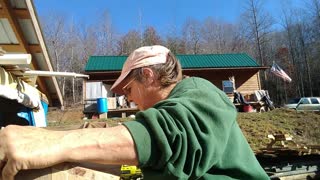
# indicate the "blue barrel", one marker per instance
pixel 27 114
pixel 45 107
pixel 102 105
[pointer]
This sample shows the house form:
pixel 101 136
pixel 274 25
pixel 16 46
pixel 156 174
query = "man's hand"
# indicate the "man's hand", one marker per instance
pixel 25 147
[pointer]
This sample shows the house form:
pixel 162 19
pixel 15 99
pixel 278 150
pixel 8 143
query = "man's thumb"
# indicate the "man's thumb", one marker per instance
pixel 9 171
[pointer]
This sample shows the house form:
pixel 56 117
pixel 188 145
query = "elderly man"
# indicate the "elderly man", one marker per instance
pixel 186 129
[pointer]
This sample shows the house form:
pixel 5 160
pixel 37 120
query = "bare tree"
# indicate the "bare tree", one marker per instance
pixel 313 9
pixel 191 35
pixel 69 47
pixel 88 42
pixel 105 35
pixel 211 36
pixel 84 44
pixel 173 41
pixel 176 45
pixel 129 43
pixel 304 52
pixel 219 37
pixel 54 29
pixel 313 13
pixel 288 24
pixel 259 25
pixel 150 37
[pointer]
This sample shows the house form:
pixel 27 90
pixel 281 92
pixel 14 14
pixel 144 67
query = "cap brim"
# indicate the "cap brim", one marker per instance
pixel 118 85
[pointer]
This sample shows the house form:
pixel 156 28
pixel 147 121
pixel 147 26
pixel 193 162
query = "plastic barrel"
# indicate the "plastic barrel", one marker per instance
pixel 247 108
pixel 45 107
pixel 102 105
pixel 27 114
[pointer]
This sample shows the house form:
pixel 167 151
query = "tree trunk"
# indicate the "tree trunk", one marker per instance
pixel 57 60
pixel 63 87
pixel 73 93
pixel 258 41
pixel 305 58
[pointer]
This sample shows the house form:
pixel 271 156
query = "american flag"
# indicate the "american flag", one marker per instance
pixel 275 69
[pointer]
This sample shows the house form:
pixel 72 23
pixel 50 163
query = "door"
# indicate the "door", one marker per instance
pixel 315 104
pixel 304 105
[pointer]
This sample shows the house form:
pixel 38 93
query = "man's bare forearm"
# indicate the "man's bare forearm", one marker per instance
pixel 101 145
pixel 34 148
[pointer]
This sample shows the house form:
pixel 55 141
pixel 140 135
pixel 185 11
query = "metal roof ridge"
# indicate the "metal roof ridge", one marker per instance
pixel 212 54
pixel 108 56
pixel 175 54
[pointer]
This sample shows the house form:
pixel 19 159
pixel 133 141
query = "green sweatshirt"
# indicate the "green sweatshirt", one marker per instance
pixel 193 134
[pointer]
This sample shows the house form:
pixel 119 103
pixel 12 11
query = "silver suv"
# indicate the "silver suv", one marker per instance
pixel 304 104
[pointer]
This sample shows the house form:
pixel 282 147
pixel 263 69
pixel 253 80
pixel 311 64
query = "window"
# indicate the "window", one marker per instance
pixel 314 101
pixel 227 86
pixel 304 101
pixel 294 101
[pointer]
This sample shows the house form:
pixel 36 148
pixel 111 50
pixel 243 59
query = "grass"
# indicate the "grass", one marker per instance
pixel 303 126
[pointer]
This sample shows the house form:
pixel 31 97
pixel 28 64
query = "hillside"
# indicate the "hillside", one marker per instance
pixel 303 126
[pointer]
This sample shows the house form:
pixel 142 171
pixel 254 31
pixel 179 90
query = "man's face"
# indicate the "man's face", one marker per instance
pixel 137 92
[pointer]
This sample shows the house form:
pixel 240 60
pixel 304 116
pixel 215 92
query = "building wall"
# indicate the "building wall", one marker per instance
pixel 251 84
pixel 245 80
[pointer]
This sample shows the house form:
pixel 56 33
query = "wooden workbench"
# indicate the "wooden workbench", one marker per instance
pixel 72 171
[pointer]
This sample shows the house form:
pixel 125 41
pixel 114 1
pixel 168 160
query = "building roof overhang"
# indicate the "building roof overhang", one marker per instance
pixel 20 33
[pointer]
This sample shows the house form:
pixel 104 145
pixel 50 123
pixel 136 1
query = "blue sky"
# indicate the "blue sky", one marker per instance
pixel 161 14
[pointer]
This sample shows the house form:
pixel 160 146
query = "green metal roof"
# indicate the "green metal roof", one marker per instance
pixel 115 63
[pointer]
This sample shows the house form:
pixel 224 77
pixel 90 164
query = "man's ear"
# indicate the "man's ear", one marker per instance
pixel 148 76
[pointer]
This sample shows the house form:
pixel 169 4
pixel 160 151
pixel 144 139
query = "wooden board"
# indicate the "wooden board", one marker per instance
pixel 72 171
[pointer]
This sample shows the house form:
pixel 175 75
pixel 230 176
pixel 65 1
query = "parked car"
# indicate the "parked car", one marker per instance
pixel 304 104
